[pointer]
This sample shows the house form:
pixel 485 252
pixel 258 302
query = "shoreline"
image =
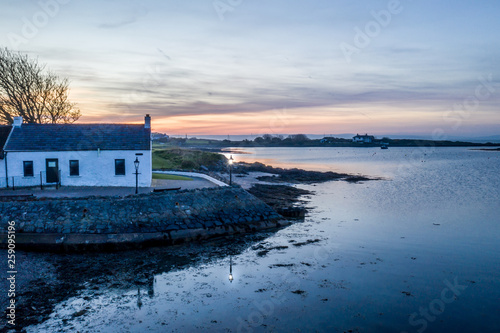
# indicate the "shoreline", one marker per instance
pixel 398 143
pixel 92 223
pixel 275 186
pixel 296 175
pixel 55 278
pixel 487 149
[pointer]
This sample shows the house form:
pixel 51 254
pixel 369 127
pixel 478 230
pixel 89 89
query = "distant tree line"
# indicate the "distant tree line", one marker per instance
pixel 279 139
pixel 301 140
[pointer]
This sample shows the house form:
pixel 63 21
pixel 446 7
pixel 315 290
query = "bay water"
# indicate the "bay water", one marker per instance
pixel 416 251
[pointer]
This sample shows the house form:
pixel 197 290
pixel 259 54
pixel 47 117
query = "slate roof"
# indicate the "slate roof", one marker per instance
pixel 77 137
pixel 4 135
pixel 364 136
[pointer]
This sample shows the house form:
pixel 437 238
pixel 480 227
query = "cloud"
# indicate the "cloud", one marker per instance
pixel 183 61
pixel 118 24
pixel 124 19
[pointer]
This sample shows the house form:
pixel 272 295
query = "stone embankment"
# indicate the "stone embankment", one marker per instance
pixel 122 222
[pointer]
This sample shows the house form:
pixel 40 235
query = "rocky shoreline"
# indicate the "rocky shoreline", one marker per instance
pixel 297 176
pixel 275 187
pixel 92 223
pixel 50 279
pixel 284 199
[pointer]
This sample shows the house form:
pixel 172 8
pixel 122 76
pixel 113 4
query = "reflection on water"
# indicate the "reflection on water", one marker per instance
pixel 368 161
pixel 139 301
pixel 231 278
pixel 371 257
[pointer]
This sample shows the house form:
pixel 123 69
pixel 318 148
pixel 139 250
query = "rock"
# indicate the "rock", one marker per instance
pixel 196 210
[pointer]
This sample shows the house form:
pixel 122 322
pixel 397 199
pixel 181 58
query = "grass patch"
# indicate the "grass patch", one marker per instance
pixel 169 177
pixel 197 142
pixel 184 159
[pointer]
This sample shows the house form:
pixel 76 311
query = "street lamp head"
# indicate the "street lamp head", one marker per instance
pixel 230 277
pixel 231 160
pixel 136 163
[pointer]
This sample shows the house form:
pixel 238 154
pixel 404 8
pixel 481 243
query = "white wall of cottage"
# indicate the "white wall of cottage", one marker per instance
pixel 97 168
pixel 2 173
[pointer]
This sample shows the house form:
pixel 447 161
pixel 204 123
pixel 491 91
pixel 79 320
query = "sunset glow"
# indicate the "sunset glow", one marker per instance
pixel 282 67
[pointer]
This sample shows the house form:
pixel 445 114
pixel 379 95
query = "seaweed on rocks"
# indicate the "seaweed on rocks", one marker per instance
pixel 284 199
pixel 297 176
pixel 278 196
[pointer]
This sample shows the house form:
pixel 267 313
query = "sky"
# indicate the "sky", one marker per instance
pixel 228 67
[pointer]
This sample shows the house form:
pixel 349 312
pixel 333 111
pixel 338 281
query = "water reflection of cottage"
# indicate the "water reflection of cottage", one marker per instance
pixel 363 138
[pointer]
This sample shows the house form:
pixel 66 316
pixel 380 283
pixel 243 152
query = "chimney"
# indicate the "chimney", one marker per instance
pixel 147 121
pixel 18 121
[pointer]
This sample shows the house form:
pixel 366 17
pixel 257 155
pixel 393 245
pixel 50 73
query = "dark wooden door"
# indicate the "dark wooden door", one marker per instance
pixel 52 170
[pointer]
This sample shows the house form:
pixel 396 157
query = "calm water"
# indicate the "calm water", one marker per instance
pixel 417 251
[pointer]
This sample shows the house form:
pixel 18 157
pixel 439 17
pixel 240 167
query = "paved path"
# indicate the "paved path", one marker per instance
pixel 248 180
pixel 183 184
pixel 193 175
pixel 85 191
pixel 75 191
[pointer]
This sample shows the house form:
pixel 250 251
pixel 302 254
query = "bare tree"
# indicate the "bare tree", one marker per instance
pixel 28 91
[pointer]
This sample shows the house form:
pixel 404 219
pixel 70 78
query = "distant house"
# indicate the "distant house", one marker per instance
pixel 75 154
pixel 363 138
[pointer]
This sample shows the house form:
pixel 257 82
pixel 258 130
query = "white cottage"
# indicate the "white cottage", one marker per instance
pixel 75 154
pixel 363 138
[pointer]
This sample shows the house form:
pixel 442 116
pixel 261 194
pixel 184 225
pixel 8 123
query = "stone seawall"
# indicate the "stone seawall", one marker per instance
pixel 121 222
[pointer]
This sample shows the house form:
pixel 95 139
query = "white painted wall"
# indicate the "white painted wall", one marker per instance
pixel 362 139
pixel 96 168
pixel 2 173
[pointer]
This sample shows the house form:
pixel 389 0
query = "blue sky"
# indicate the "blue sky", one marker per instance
pixel 241 66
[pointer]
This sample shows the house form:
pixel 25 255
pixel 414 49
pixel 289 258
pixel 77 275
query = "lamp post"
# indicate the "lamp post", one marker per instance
pixel 136 164
pixel 231 170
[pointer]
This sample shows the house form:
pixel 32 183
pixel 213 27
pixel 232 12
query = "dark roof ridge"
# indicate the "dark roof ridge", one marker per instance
pixel 79 137
pixel 84 124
